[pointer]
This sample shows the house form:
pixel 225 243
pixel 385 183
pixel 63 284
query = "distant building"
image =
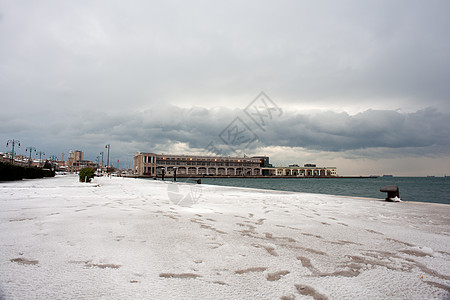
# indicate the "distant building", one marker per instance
pixel 305 171
pixel 264 164
pixel 77 155
pixel 264 161
pixel 76 162
pixel 152 165
pixel 5 157
pixel 309 165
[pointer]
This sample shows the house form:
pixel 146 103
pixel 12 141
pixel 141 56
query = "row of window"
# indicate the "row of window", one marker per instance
pixel 149 170
pixel 201 170
pixel 213 171
pixel 149 159
pixel 307 172
pixel 194 163
pixel 210 159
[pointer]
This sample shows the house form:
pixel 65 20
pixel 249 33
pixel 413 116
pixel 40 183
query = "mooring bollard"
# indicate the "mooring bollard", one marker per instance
pixel 393 194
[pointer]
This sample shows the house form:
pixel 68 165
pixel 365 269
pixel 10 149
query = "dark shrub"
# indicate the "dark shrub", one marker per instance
pixel 86 174
pixel 9 172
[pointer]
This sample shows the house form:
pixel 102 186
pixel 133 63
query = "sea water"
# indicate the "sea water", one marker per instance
pixel 420 189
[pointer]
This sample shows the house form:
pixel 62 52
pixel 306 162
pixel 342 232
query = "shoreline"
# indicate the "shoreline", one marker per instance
pixel 250 188
pixel 381 195
pixel 249 177
pixel 306 193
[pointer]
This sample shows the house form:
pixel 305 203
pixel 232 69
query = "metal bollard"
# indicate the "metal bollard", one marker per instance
pixel 392 192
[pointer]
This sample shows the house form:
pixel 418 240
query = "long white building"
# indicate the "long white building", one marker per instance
pixel 305 171
pixel 152 165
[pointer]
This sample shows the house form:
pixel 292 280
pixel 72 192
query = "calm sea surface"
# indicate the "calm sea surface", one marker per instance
pixel 422 189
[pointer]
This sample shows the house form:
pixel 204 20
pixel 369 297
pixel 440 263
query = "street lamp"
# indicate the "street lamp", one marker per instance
pixel 40 157
pixel 98 161
pixel 31 150
pixel 101 153
pixel 13 143
pixel 52 159
pixel 108 146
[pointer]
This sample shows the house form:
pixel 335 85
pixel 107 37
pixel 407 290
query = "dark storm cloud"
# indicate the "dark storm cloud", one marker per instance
pixel 423 132
pixel 323 131
pixel 333 131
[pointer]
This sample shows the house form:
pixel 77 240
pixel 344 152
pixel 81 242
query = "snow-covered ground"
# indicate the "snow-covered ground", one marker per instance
pixel 123 238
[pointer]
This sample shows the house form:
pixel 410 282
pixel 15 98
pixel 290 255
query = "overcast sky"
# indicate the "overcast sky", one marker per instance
pixel 360 85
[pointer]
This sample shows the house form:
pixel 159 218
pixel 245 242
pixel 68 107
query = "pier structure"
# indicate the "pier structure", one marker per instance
pixel 152 165
pixel 297 171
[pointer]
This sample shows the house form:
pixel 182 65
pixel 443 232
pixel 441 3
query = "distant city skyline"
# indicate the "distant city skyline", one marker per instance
pixel 362 86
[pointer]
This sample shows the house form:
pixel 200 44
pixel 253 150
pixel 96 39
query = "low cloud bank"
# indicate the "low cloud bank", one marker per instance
pixel 424 132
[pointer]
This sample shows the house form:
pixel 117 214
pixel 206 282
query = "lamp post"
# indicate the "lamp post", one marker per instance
pixel 13 143
pixel 98 162
pixel 101 153
pixel 108 146
pixel 31 150
pixel 52 159
pixel 40 157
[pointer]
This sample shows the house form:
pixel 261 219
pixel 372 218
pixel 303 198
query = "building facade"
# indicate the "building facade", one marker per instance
pixel 76 162
pixel 307 170
pixel 152 165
